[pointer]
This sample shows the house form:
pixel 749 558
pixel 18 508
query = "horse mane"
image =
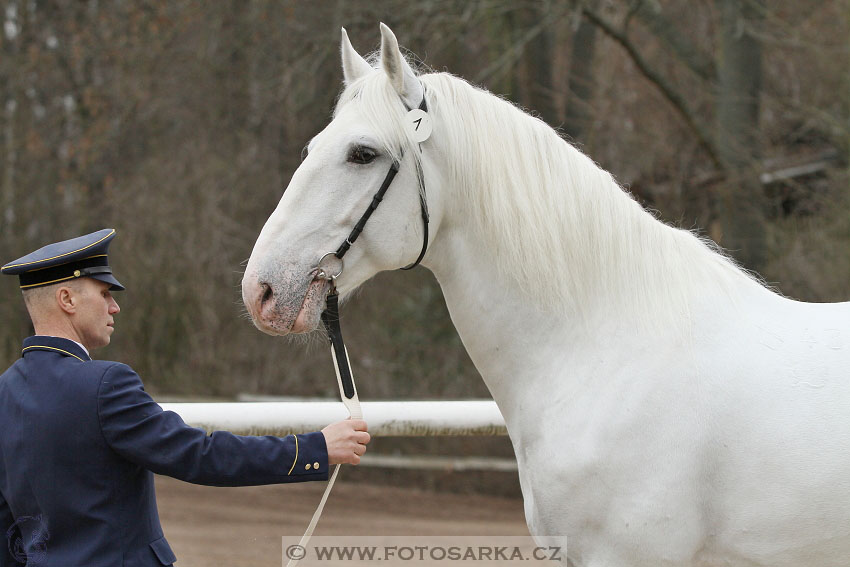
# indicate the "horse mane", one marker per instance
pixel 557 223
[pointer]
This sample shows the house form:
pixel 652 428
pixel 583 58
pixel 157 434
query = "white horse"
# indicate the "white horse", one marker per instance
pixel 665 408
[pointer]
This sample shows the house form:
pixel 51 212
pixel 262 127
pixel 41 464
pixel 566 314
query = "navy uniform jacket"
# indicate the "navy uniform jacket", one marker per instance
pixel 79 443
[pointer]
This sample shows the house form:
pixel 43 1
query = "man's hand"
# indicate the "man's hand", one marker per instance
pixel 346 441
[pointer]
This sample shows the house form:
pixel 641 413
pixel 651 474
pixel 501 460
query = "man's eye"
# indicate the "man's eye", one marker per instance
pixel 362 155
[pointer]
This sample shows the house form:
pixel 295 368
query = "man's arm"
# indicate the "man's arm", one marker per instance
pixel 139 430
pixel 9 535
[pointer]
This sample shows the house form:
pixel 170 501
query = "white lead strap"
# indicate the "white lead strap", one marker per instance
pixel 355 412
pixel 352 404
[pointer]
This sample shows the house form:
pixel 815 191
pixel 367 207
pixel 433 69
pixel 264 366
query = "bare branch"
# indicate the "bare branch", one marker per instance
pixel 666 31
pixel 510 56
pixel 678 102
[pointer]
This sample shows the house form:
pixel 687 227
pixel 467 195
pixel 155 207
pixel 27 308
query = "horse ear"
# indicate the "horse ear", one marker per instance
pixel 401 76
pixel 353 65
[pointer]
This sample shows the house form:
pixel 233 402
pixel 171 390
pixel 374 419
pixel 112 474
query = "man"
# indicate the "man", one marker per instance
pixel 80 439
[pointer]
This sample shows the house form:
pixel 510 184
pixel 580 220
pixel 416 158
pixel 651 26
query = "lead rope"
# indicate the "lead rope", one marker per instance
pixel 347 392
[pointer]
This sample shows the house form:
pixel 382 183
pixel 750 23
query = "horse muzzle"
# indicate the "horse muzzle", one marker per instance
pixel 282 307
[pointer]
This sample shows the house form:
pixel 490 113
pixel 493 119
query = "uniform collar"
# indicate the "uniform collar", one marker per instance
pixel 65 347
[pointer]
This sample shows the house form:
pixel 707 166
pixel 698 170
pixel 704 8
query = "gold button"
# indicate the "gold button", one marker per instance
pixel 307 466
pixel 316 465
pixel 76 273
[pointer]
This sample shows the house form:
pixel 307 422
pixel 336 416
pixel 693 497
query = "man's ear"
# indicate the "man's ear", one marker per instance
pixel 66 299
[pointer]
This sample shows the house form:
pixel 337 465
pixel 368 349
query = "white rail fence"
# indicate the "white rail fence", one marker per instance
pixel 385 419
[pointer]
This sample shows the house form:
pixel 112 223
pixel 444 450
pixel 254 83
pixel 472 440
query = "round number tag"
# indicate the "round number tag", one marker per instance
pixel 418 124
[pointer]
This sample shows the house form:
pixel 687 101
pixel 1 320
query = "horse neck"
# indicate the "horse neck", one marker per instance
pixel 636 281
pixel 527 349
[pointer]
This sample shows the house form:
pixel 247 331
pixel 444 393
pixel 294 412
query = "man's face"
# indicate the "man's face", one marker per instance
pixel 96 308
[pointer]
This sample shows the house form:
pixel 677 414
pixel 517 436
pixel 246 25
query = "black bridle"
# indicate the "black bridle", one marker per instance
pixel 376 200
pixel 330 316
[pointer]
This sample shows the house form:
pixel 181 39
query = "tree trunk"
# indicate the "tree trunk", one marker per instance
pixel 10 95
pixel 539 58
pixel 739 85
pixel 581 81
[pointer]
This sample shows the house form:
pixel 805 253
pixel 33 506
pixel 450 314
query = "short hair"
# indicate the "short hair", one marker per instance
pixel 35 297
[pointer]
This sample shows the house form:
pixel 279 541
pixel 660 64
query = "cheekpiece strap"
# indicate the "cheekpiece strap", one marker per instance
pixel 376 200
pixel 379 196
pixel 423 201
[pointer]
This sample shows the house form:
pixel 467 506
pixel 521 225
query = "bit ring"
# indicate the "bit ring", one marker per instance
pixel 320 273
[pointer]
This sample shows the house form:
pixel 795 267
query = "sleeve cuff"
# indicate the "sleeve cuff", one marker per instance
pixel 311 455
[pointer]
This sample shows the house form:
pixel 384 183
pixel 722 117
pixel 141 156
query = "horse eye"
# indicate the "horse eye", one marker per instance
pixel 304 152
pixel 362 155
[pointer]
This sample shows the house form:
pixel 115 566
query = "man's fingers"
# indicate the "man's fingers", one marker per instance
pixel 362 437
pixel 346 441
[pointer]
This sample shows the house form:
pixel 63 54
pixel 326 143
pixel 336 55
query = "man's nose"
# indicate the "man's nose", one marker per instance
pixel 114 308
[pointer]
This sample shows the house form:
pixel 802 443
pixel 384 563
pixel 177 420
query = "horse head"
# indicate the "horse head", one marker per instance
pixel 345 165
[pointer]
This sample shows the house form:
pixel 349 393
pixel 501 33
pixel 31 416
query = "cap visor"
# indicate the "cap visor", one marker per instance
pixel 110 279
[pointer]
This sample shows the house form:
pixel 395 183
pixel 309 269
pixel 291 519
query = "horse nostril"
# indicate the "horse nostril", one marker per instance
pixel 267 293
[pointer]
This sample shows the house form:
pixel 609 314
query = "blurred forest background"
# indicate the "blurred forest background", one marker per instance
pixel 180 123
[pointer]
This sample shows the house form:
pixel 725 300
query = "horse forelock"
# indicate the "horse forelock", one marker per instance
pixel 375 99
pixel 558 224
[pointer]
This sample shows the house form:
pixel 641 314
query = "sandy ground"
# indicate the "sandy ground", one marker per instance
pixel 242 527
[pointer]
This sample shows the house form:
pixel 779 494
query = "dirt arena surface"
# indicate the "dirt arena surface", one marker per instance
pixel 242 527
